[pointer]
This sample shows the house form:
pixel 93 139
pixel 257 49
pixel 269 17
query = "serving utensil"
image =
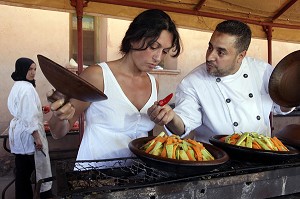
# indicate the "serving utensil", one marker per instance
pixel 284 84
pixel 290 135
pixel 67 84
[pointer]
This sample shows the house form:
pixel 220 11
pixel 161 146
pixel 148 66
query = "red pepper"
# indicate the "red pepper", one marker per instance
pixel 46 109
pixel 165 100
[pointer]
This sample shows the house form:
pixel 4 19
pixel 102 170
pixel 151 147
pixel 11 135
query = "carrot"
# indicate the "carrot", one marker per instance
pixel 190 155
pixel 235 136
pixel 276 144
pixel 169 140
pixel 233 141
pixel 150 147
pixel 280 143
pixel 161 139
pixel 198 152
pixel 255 145
pixel 164 152
pixel 196 143
pixel 174 151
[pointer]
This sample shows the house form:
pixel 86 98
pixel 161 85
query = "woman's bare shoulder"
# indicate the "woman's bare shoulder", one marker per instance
pixel 93 74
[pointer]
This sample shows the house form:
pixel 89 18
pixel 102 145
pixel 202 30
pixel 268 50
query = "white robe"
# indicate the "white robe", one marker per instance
pixel 25 106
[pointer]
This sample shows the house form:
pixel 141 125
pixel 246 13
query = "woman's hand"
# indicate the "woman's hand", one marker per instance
pixel 60 109
pixel 38 144
pixel 37 140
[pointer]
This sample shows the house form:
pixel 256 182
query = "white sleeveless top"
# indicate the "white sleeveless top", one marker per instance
pixel 111 124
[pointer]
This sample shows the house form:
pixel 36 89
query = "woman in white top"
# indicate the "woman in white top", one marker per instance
pixel 27 138
pixel 111 124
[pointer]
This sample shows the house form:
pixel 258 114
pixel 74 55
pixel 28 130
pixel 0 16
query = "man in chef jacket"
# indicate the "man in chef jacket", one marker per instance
pixel 226 94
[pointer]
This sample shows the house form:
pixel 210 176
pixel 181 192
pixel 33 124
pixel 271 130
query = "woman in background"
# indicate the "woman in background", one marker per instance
pixel 27 138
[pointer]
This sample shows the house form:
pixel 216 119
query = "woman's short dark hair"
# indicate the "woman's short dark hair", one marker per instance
pixel 146 27
pixel 239 29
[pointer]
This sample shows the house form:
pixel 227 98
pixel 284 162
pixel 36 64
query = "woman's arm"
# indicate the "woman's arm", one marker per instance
pixel 65 115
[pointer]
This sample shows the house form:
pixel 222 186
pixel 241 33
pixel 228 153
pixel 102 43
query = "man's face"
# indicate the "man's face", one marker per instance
pixel 222 57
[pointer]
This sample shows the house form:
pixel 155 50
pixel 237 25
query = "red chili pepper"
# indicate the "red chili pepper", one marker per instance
pixel 165 100
pixel 46 109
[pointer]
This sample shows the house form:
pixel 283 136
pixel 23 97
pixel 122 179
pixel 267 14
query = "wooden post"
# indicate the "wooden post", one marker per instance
pixel 79 5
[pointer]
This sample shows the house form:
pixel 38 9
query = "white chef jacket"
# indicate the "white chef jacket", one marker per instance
pixel 240 102
pixel 25 106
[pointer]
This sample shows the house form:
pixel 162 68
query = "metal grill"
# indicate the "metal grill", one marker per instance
pixel 106 175
pixel 79 178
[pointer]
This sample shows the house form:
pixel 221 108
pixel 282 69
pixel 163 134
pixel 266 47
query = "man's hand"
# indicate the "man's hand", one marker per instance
pixel 160 115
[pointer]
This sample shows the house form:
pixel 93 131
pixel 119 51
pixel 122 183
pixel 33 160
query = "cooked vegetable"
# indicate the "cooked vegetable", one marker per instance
pixel 175 148
pixel 255 141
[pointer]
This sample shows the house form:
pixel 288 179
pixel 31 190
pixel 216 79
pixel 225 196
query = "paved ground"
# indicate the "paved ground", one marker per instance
pixel 4 181
pixel 7 164
pixel 6 175
pixel 9 193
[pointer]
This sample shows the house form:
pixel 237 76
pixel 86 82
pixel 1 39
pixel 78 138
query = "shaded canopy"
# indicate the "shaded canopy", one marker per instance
pixel 276 19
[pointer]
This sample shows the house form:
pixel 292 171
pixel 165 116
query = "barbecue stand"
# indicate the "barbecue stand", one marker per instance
pixel 132 178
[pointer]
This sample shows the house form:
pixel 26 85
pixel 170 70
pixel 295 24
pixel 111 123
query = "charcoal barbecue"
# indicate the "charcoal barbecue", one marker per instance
pixel 132 178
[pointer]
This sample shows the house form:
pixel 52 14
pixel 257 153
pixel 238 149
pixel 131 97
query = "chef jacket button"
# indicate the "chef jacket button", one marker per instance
pixel 250 95
pixel 218 79
pixel 258 117
pixel 228 100
pixel 235 124
pixel 245 75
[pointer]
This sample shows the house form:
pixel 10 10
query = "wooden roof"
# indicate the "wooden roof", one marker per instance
pixel 281 18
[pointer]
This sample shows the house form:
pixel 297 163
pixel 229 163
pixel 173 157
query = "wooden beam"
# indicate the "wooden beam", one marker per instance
pixel 283 9
pixel 193 12
pixel 199 5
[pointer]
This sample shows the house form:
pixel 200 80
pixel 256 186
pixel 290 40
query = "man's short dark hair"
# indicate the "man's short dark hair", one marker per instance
pixel 239 29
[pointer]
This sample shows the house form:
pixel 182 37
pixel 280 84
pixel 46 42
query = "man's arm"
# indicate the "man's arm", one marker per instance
pixel 176 125
pixel 164 115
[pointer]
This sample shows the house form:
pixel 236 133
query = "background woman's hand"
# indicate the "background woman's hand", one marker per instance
pixel 38 144
pixel 37 140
